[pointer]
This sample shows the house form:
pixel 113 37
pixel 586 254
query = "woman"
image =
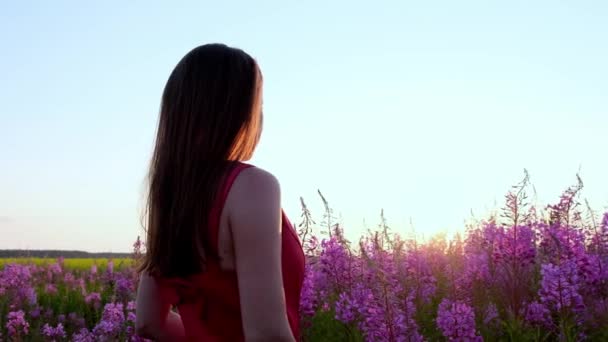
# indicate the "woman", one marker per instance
pixel 219 248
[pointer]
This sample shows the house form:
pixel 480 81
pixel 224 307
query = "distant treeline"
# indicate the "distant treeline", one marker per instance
pixel 20 253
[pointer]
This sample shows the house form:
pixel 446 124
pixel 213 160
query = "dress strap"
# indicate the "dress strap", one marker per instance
pixel 220 201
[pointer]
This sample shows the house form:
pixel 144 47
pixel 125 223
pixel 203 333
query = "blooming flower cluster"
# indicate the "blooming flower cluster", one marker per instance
pixel 560 287
pixel 53 333
pixel 526 270
pixel 16 324
pixel 457 321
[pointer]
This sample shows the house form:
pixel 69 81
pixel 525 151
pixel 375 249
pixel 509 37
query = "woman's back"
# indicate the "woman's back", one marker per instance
pixel 210 303
pixel 218 245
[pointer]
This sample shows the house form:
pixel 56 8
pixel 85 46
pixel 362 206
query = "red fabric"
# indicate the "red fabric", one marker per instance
pixel 209 302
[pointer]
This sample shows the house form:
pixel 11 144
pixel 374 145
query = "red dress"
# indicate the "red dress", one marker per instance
pixel 208 303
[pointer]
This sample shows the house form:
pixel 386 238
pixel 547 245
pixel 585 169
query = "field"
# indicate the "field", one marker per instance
pixel 528 274
pixel 74 264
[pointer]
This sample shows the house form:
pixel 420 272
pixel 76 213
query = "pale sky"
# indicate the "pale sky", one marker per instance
pixel 428 109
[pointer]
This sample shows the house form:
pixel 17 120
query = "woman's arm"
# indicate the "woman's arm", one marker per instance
pixel 153 316
pixel 255 219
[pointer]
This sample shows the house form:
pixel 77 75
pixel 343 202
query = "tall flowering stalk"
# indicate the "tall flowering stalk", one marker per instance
pixel 560 294
pixel 456 320
pixel 17 326
pixel 15 284
pixel 53 333
pixel 513 250
pixel 112 324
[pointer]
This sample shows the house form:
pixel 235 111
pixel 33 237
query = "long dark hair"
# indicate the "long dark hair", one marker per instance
pixel 209 117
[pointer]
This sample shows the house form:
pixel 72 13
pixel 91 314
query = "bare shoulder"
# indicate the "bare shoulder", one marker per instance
pixel 254 201
pixel 254 182
pixel 254 207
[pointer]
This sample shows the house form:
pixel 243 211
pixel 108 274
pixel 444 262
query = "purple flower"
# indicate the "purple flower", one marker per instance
pixel 35 312
pixel 29 294
pixel 53 333
pixel 55 268
pixel 15 283
pixel 515 244
pixel 538 314
pixel 131 306
pixel 93 298
pixel 17 325
pixel 561 242
pixel 124 288
pixel 379 318
pixel 50 289
pixel 560 287
pixel 417 267
pixel 112 321
pixel 456 320
pixel 345 309
pixel 69 279
pixel 113 312
pixel 308 298
pixel 107 329
pixel 333 265
pixel 404 325
pixel 477 267
pixel 83 335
